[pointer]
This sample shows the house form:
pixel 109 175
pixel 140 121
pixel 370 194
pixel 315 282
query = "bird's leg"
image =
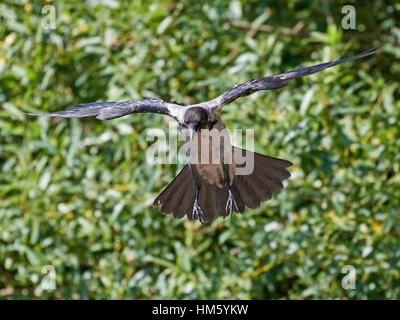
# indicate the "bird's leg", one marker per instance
pixel 197 212
pixel 231 202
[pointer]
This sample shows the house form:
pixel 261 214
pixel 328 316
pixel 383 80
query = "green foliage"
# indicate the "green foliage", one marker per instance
pixel 77 194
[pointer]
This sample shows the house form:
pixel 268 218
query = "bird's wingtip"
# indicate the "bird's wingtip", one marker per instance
pixel 369 52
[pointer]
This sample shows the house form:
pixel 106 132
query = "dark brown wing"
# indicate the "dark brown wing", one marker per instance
pixel 112 110
pixel 274 81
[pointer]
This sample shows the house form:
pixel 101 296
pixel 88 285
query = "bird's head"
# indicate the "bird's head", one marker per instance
pixel 194 118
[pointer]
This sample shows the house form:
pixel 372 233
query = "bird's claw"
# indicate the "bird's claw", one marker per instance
pixel 231 203
pixel 197 212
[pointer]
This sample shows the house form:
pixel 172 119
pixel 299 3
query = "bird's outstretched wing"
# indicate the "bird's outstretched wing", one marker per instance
pixel 274 81
pixel 112 110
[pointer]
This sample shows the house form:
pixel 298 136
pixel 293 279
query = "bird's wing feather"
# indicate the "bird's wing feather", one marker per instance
pixel 112 110
pixel 274 81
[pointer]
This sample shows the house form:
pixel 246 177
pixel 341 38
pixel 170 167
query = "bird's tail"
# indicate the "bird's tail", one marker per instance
pixel 248 190
pixel 267 177
pixel 178 196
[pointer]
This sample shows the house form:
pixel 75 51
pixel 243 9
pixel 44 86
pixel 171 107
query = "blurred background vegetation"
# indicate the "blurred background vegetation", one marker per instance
pixel 77 194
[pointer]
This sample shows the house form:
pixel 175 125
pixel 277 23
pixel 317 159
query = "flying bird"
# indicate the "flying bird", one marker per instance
pixel 203 189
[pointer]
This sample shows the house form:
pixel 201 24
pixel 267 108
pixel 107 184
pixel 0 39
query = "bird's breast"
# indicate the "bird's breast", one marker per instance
pixel 211 152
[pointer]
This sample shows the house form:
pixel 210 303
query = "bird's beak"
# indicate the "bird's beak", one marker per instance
pixel 192 132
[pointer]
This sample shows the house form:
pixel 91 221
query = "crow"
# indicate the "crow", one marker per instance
pixel 210 186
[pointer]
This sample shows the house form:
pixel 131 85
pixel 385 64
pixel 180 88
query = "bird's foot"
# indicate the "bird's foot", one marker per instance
pixel 231 203
pixel 197 212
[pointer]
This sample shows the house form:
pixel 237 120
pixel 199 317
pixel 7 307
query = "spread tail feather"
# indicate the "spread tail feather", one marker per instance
pixel 267 177
pixel 249 190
